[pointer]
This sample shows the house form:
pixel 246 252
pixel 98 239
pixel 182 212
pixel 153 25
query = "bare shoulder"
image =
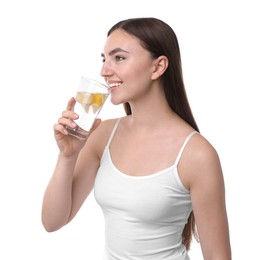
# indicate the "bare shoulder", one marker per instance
pixel 200 162
pixel 105 127
pixel 202 150
pixel 100 136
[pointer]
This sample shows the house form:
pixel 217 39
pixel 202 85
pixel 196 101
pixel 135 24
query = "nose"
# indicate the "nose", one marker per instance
pixel 106 70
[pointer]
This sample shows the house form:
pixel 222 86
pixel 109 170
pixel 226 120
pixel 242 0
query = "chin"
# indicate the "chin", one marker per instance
pixel 116 101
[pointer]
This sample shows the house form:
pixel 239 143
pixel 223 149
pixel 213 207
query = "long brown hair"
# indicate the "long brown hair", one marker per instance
pixel 159 39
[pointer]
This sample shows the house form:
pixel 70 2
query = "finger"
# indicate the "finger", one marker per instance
pixel 71 103
pixel 69 115
pixel 60 129
pixel 64 121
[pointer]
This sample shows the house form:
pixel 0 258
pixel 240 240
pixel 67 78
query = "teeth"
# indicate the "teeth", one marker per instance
pixel 114 85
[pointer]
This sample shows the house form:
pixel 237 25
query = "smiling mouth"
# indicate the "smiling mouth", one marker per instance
pixel 114 85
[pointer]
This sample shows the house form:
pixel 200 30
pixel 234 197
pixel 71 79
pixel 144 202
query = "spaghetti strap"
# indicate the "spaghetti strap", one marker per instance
pixel 184 145
pixel 113 131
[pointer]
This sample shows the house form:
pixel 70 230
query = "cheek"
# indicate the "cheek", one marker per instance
pixel 140 74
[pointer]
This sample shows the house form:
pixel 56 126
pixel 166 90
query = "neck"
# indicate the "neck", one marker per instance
pixel 151 112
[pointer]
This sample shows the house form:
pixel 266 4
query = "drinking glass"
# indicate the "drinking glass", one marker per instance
pixel 90 98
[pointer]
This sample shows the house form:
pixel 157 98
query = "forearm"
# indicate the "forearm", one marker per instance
pixel 57 201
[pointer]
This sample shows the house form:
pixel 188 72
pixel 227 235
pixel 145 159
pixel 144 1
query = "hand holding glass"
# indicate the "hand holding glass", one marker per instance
pixel 90 98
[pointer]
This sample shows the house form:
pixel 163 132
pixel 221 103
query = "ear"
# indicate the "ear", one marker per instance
pixel 159 67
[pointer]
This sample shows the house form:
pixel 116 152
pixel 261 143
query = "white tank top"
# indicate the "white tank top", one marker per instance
pixel 144 215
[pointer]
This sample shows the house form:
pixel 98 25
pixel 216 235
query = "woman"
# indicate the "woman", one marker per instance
pixel 154 175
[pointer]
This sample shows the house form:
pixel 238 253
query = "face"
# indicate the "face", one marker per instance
pixel 127 67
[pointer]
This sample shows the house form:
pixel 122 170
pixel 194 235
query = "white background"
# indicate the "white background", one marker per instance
pixel 46 46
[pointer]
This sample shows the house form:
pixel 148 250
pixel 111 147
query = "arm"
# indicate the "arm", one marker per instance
pixel 203 175
pixel 74 174
pixel 69 186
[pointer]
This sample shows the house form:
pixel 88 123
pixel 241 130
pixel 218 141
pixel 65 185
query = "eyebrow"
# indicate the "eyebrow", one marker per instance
pixel 114 51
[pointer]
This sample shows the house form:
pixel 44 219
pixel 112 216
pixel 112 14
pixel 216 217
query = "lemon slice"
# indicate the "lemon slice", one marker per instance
pixel 96 100
pixel 85 99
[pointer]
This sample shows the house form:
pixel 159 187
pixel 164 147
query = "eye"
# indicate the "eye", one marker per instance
pixel 103 57
pixel 119 58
